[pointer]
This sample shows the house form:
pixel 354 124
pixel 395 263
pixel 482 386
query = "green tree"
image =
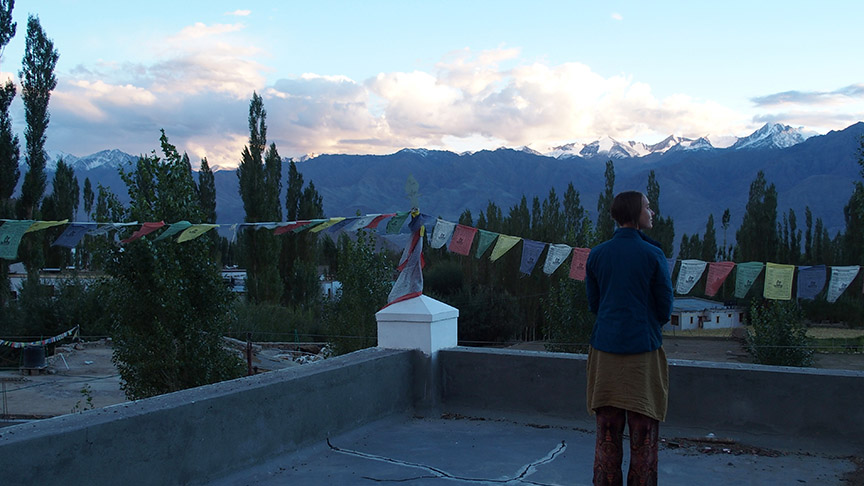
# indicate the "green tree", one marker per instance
pixel 709 242
pixel 808 236
pixel 757 237
pixel 366 281
pixel 259 185
pixel 577 224
pixel 568 323
pixel 207 192
pixel 89 196
pixel 605 224
pixel 61 204
pixel 663 230
pixel 778 335
pixel 167 304
pixel 298 261
pixel 725 251
pixel 9 151
pixel 37 82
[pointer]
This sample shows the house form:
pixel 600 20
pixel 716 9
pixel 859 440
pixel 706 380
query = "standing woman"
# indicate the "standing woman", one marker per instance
pixel 629 289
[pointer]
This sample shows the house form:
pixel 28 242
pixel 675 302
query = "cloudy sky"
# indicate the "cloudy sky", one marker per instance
pixel 378 76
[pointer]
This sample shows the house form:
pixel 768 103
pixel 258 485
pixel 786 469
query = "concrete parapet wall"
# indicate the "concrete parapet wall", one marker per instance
pixel 801 403
pixel 194 435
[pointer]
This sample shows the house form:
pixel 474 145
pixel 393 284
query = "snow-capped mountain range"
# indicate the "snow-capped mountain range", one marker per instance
pixel 769 136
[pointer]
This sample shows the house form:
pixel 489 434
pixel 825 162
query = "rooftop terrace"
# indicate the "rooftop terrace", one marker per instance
pixel 449 415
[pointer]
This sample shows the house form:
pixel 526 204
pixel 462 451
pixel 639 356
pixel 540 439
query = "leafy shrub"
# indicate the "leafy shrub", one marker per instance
pixel 778 335
pixel 568 321
pixel 274 323
pixel 486 315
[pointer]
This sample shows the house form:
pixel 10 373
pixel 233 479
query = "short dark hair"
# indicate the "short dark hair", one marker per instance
pixel 627 207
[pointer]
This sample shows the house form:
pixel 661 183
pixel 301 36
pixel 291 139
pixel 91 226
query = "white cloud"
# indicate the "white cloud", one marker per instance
pixel 239 13
pixel 200 96
pixel 617 16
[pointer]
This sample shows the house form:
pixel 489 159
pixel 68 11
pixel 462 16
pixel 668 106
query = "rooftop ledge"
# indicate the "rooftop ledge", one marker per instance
pixel 394 415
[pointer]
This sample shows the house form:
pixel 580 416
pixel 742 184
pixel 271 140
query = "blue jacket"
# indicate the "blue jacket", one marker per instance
pixel 628 286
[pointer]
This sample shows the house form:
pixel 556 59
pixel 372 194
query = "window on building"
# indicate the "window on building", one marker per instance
pixel 718 319
pixel 675 320
pixel 691 319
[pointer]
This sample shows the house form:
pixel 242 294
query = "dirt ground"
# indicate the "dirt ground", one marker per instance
pixel 82 376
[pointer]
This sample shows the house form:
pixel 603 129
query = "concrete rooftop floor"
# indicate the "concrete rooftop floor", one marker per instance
pixel 457 449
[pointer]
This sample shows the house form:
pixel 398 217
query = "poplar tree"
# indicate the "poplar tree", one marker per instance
pixel 299 256
pixel 605 223
pixel 61 204
pixel 757 237
pixel 709 242
pixel 88 197
pixel 663 228
pixel 9 153
pixel 207 192
pixel 259 190
pixel 37 82
pixel 576 224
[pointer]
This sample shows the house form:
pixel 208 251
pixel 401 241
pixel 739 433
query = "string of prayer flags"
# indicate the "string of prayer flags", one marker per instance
pixel 396 222
pixel 340 225
pixel 555 257
pixel 717 273
pixel 689 273
pixel 531 251
pixel 41 342
pixel 811 281
pixel 463 236
pixel 10 237
pixel 745 275
pixel 173 230
pixel 108 227
pixel 778 281
pixel 195 231
pixel 484 242
pixel 442 233
pixel 577 265
pixel 321 227
pixel 145 229
pixel 72 235
pixel 41 225
pixel 841 277
pixel 503 245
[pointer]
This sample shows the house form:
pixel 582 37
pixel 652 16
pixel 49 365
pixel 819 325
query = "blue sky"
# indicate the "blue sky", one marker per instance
pixel 377 76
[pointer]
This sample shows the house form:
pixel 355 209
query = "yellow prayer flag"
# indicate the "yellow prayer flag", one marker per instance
pixel 326 225
pixel 778 281
pixel 503 245
pixel 40 225
pixel 195 231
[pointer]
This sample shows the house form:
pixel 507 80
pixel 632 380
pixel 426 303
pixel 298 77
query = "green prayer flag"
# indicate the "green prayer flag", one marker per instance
pixel 174 229
pixel 745 275
pixel 396 222
pixel 10 237
pixel 485 240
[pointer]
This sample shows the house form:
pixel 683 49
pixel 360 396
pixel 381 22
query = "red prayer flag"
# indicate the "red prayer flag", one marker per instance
pixel 577 265
pixel 374 223
pixel 717 273
pixel 463 236
pixel 288 227
pixel 145 229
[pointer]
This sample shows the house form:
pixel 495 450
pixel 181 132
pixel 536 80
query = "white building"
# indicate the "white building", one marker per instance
pixel 696 313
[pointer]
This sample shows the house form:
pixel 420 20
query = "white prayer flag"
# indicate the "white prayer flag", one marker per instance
pixel 689 273
pixel 442 233
pixel 841 277
pixel 555 257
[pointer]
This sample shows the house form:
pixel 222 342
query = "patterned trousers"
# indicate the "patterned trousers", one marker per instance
pixel 609 453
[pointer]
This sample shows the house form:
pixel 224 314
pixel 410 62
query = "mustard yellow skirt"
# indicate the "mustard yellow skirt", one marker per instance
pixel 635 382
